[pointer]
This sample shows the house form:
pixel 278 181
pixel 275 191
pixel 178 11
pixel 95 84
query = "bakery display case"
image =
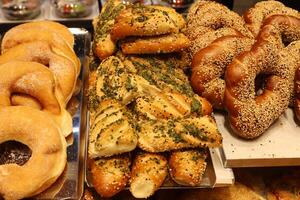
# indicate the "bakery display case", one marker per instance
pixel 155 99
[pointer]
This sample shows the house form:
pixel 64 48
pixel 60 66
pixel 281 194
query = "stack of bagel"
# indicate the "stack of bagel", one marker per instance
pixel 38 79
pixel 246 65
pixel 146 123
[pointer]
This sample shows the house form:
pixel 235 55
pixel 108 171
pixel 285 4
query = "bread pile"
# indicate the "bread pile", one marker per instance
pixel 138 30
pixel 248 66
pixel 145 119
pixel 38 79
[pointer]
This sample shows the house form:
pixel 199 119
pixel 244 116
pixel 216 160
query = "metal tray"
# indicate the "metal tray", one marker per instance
pixel 216 175
pixel 278 146
pixel 71 183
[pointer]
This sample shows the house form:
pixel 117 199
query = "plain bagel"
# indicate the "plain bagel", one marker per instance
pixel 39 132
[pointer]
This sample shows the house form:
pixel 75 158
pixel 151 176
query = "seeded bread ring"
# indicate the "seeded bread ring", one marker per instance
pixel 209 65
pixel 251 115
pixel 255 16
pixel 213 15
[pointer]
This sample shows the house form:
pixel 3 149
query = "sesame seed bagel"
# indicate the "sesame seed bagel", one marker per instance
pixel 255 16
pixel 209 65
pixel 250 114
pixel 48 159
pixel 208 21
pixel 213 15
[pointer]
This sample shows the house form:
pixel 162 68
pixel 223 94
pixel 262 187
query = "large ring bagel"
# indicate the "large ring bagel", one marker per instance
pixel 255 16
pixel 64 70
pixel 208 21
pixel 207 38
pixel 209 65
pixel 212 15
pixel 36 27
pixel 37 81
pixel 251 115
pixel 37 31
pixel 39 132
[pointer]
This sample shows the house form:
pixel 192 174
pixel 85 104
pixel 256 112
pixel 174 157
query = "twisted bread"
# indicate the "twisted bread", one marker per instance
pixel 212 15
pixel 40 133
pixel 256 16
pixel 209 65
pixel 165 135
pixel 250 115
pixel 111 133
pixel 19 34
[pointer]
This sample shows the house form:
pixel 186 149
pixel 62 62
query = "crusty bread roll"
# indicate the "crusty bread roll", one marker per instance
pixel 110 175
pixel 187 167
pixel 147 174
pixel 155 44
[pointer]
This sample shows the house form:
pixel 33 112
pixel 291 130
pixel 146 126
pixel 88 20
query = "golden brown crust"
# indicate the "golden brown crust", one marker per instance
pixel 207 38
pixel 166 135
pixel 103 45
pixel 139 20
pixel 40 51
pixel 40 133
pixel 250 115
pixel 25 100
pixel 154 45
pixel 9 41
pixel 187 167
pixel 36 31
pixel 256 15
pixel 148 174
pixel 212 15
pixel 36 80
pixel 110 175
pixel 209 65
